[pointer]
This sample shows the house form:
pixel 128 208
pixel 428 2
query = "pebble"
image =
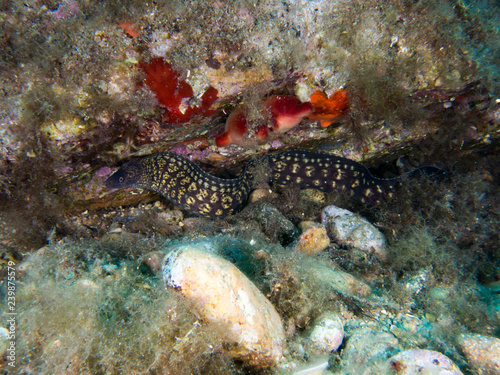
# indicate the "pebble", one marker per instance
pixel 418 281
pixel 312 240
pixel 272 222
pixel 328 333
pixel 367 350
pixel 119 236
pixel 171 216
pixel 153 261
pixel 261 194
pixel 422 362
pixel 349 229
pixel 223 295
pixel 4 334
pixel 440 293
pixel 339 281
pixel 316 365
pixel 482 353
pixel 306 224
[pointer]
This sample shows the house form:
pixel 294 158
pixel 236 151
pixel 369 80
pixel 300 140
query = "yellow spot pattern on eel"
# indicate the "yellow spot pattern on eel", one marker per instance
pixel 185 184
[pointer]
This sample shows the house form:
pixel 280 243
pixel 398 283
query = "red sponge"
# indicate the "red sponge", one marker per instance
pixel 175 94
pixel 236 127
pixel 286 111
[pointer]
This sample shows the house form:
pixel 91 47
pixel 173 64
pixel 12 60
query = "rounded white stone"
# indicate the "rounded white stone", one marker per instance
pixel 312 240
pixel 223 295
pixel 328 333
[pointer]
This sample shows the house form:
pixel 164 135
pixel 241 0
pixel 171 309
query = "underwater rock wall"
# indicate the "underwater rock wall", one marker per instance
pixel 79 96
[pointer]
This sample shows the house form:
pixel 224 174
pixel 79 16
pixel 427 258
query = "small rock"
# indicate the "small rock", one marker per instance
pixel 352 230
pixel 223 295
pixel 440 293
pixel 339 281
pixel 118 236
pixel 439 297
pixel 260 194
pixel 418 281
pixel 312 240
pixel 4 340
pixel 153 261
pixel 328 333
pixel 422 362
pixel 86 285
pixel 171 216
pixel 315 367
pixel 4 334
pixel 367 350
pixel 272 222
pixel 482 353
pixel 305 225
pixel 32 260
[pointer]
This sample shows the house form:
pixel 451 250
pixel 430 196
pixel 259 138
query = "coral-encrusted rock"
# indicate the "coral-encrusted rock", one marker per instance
pixel 351 230
pixel 482 353
pixel 225 296
pixel 328 333
pixel 422 361
pixel 312 240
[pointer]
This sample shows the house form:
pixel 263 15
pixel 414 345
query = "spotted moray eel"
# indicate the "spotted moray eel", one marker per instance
pixel 185 184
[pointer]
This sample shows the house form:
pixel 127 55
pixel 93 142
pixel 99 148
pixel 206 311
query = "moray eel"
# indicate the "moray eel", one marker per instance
pixel 185 184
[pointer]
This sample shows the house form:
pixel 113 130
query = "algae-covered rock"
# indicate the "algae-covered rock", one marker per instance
pixel 366 351
pixel 312 240
pixel 339 282
pixel 328 333
pixel 352 230
pixel 272 222
pixel 224 296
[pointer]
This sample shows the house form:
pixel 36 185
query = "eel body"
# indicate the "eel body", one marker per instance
pixel 185 184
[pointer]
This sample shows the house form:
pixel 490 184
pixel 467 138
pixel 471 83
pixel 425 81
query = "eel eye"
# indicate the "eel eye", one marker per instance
pixel 120 180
